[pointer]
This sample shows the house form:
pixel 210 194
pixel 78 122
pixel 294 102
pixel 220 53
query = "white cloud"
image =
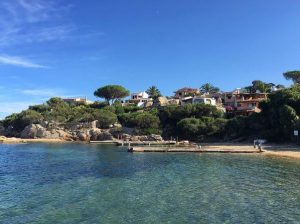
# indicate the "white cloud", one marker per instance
pixel 43 92
pixel 18 61
pixel 23 21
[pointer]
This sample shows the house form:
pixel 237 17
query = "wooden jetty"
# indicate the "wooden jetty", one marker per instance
pixel 104 142
pixel 135 143
pixel 191 149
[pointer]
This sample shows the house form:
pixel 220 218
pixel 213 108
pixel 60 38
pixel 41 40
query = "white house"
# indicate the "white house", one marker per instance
pixel 140 95
pixel 141 99
pixel 205 100
pixel 77 100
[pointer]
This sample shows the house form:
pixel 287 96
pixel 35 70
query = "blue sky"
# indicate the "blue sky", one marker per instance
pixel 70 48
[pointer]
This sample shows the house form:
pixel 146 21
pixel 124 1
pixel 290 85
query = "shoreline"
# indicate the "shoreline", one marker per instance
pixel 31 140
pixel 279 150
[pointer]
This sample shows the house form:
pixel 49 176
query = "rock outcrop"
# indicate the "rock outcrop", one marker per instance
pixel 38 131
pixel 84 134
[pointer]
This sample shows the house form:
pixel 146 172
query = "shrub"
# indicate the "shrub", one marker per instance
pixel 21 120
pixel 105 118
pixel 139 120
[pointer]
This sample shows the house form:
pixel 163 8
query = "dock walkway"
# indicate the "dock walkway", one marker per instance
pixel 194 149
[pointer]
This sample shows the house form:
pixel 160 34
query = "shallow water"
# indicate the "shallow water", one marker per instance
pixel 79 183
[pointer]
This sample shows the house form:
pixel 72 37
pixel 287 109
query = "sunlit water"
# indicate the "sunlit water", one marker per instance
pixel 79 183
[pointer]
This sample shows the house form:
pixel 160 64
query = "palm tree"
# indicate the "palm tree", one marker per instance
pixel 208 88
pixel 153 92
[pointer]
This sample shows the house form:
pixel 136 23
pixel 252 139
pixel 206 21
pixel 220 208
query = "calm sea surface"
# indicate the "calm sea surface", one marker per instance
pixel 78 183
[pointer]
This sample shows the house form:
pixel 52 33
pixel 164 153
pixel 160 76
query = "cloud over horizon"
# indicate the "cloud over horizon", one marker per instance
pixel 20 62
pixel 21 20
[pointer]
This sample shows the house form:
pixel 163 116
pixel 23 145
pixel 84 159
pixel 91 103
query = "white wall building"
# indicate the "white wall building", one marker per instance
pixel 205 100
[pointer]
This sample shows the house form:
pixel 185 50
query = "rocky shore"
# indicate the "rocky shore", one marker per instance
pixel 83 132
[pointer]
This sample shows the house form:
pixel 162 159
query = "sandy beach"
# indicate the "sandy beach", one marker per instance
pixel 36 140
pixel 283 150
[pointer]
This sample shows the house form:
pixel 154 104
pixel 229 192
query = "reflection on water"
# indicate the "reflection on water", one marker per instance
pixel 79 183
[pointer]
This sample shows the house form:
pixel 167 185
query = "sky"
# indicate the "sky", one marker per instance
pixel 69 48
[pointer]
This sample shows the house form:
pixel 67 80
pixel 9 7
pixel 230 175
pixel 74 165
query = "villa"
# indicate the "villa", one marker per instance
pixel 205 100
pixel 141 99
pixel 186 91
pixel 78 101
pixel 242 103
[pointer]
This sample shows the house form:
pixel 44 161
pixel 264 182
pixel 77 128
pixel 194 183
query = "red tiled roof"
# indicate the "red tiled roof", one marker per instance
pixel 186 89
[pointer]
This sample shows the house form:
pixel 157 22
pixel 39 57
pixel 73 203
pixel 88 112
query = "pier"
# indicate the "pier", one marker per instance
pixel 192 149
pixel 135 143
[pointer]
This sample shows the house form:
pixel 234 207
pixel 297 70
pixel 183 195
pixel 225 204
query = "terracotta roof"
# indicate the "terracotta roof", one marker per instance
pixel 186 89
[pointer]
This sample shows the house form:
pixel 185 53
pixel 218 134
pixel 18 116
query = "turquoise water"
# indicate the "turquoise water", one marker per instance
pixel 78 183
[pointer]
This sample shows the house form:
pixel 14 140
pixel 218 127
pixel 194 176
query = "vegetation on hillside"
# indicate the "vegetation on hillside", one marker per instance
pixel 198 122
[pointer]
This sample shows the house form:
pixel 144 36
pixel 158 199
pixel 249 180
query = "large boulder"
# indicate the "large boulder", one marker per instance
pixel 94 133
pixel 83 136
pixel 143 138
pixel 104 136
pixel 154 137
pixel 38 131
pixel 134 138
pixel 125 137
pixel 32 130
pixel 146 138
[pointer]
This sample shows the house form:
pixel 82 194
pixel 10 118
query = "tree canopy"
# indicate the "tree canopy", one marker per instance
pixel 153 92
pixel 209 88
pixel 262 87
pixel 111 93
pixel 293 75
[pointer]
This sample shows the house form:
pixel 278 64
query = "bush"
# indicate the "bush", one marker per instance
pixel 236 127
pixel 198 128
pixel 139 120
pixel 59 111
pixel 98 105
pixel 105 118
pixel 19 121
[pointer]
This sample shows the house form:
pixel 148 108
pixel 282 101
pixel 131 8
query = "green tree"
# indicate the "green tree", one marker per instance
pixel 209 88
pixel 111 93
pixel 189 127
pixel 19 121
pixel 200 128
pixel 139 120
pixel 59 110
pixel 280 86
pixel 293 75
pixel 287 119
pixel 153 92
pixel 261 86
pixel 105 118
